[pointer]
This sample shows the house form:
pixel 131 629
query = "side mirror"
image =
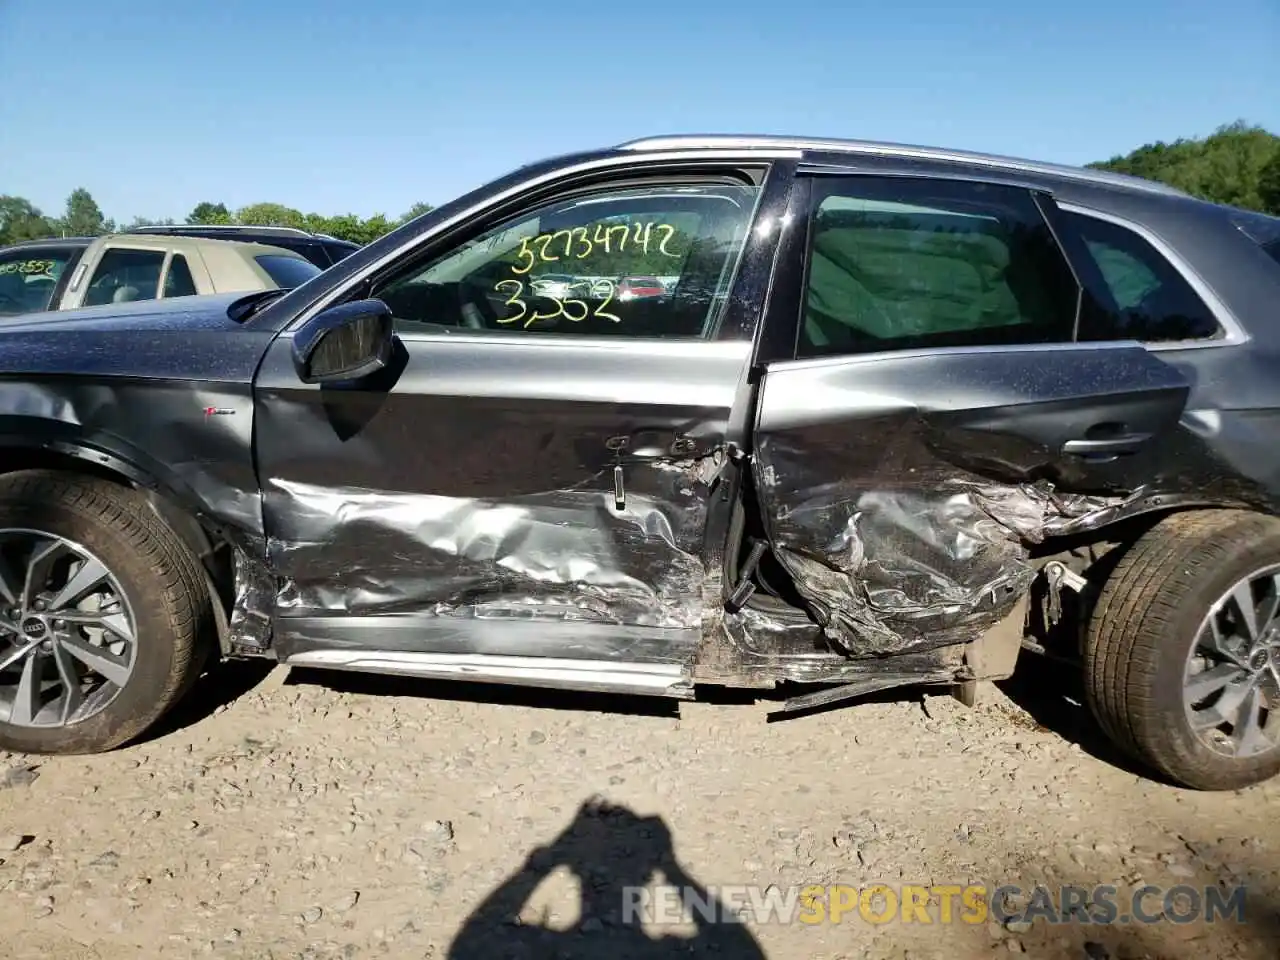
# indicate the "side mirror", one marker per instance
pixel 345 342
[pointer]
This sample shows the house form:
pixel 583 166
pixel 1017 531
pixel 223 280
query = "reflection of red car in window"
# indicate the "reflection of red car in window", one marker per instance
pixel 635 288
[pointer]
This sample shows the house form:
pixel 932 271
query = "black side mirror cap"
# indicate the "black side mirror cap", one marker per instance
pixel 346 342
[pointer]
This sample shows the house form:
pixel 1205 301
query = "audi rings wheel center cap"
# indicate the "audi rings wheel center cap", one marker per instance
pixel 1258 661
pixel 34 627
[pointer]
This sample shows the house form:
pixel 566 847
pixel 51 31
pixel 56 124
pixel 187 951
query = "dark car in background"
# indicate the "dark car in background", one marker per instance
pixel 903 415
pixel 321 249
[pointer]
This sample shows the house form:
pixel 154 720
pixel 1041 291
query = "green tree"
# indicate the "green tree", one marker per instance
pixel 84 217
pixel 373 228
pixel 1225 167
pixel 270 215
pixel 146 222
pixel 417 210
pixel 1269 185
pixel 205 212
pixel 349 226
pixel 21 220
pixel 345 226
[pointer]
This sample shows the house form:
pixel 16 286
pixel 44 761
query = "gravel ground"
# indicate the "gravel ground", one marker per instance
pixel 297 814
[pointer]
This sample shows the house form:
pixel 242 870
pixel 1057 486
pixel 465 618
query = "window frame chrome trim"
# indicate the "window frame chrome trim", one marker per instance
pixel 802 363
pixel 906 151
pixel 1234 332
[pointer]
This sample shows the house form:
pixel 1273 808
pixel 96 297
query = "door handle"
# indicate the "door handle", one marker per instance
pixel 1111 447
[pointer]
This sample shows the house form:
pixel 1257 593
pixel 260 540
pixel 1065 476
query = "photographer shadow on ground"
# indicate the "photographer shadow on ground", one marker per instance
pixel 613 854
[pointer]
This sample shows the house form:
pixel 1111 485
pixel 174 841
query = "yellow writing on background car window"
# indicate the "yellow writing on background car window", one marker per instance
pixel 29 267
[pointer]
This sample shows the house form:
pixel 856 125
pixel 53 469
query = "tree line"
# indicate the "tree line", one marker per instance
pixel 1238 164
pixel 21 220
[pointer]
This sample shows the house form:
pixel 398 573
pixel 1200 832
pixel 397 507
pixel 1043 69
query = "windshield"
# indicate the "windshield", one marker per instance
pixel 28 278
pixel 287 272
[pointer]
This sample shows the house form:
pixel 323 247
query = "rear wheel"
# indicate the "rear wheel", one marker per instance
pixel 102 613
pixel 1182 650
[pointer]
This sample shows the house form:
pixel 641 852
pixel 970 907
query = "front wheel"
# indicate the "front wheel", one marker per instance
pixel 1182 649
pixel 102 613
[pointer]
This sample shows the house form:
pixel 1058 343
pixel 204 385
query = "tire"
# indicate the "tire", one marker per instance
pixel 163 586
pixel 1143 629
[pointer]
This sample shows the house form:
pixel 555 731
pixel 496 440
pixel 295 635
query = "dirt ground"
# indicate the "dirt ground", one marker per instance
pixel 282 814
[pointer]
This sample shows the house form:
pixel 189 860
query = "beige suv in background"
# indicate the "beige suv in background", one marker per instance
pixel 120 268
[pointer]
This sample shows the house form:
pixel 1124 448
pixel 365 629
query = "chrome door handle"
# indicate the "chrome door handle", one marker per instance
pixel 1111 447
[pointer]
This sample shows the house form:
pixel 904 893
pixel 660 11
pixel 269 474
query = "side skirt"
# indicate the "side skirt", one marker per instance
pixel 600 676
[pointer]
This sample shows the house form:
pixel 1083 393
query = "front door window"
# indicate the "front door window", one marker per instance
pixel 641 262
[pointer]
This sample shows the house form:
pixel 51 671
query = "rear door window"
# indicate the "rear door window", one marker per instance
pixel 287 272
pixel 1143 296
pixel 903 263
pixel 125 275
pixel 178 281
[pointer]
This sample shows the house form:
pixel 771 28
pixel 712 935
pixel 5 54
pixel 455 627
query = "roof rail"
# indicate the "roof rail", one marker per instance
pixel 876 148
pixel 182 227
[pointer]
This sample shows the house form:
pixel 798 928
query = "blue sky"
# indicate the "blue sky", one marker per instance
pixel 339 107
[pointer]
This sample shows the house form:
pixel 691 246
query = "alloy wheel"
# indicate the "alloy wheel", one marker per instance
pixel 1231 685
pixel 67 632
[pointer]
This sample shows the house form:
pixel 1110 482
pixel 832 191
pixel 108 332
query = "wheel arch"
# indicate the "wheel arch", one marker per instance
pixel 1093 552
pixel 174 502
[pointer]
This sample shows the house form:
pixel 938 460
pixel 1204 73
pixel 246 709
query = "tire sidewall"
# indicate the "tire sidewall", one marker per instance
pixel 1168 724
pixel 153 616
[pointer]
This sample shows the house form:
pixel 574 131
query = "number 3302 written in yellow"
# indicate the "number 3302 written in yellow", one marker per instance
pixel 516 290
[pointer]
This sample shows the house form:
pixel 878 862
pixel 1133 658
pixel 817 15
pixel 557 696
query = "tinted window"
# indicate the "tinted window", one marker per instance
pixel 178 282
pixel 560 268
pixel 337 251
pixel 1144 297
pixel 287 272
pixel 904 263
pixel 28 278
pixel 124 275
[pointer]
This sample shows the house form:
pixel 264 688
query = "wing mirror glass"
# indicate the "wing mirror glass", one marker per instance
pixel 345 342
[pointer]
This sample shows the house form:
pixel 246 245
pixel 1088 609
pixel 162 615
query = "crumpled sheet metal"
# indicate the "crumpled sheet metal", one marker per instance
pixel 250 621
pixel 922 567
pixel 563 555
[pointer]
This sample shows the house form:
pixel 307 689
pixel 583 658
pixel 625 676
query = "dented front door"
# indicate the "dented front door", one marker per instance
pixel 498 497
pixel 531 476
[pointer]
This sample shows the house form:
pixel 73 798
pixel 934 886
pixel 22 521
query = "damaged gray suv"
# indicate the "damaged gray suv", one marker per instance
pixel 888 416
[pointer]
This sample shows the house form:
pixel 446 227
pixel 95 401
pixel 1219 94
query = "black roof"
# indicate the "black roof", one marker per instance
pixel 76 242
